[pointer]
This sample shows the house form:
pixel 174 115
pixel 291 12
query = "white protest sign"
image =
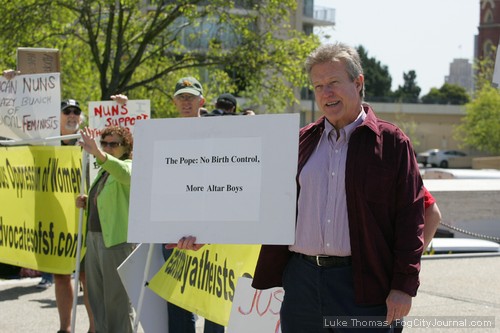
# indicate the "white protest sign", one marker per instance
pixel 225 180
pixel 255 310
pixel 30 106
pixel 229 169
pixel 109 113
pixel 154 312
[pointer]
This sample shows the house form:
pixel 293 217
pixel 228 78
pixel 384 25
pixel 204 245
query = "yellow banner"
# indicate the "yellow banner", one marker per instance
pixel 204 281
pixel 38 218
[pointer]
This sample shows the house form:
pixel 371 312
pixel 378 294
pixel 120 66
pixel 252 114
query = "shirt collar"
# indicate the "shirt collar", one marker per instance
pixel 349 128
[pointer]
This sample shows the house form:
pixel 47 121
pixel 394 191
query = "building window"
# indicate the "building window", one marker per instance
pixel 308 9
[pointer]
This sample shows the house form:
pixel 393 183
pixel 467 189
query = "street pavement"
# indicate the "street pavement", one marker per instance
pixel 458 287
pixel 25 308
pixel 455 289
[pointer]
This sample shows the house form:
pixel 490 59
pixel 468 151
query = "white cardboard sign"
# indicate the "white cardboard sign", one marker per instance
pixel 109 113
pixel 30 107
pixel 255 310
pixel 154 312
pixel 225 180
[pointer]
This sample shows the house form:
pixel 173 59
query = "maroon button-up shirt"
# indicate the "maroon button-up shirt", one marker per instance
pixel 385 204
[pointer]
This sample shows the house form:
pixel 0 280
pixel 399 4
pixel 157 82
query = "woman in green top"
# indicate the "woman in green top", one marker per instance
pixel 107 207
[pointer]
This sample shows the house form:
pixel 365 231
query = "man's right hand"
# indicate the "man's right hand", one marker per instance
pixel 185 243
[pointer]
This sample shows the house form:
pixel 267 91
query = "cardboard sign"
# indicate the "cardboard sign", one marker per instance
pixel 38 60
pixel 255 310
pixel 109 113
pixel 154 311
pixel 30 107
pixel 225 180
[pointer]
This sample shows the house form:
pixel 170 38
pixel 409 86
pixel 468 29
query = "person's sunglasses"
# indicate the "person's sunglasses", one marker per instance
pixel 111 144
pixel 75 111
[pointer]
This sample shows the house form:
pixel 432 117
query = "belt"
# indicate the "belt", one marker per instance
pixel 327 261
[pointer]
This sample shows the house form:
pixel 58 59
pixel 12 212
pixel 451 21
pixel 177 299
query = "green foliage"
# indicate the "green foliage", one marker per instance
pixel 410 91
pixel 126 46
pixel 484 69
pixel 448 94
pixel 378 81
pixel 435 96
pixel 455 94
pixel 480 127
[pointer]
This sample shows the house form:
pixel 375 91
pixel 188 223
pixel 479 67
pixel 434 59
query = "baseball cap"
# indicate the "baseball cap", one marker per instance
pixel 188 85
pixel 227 99
pixel 70 103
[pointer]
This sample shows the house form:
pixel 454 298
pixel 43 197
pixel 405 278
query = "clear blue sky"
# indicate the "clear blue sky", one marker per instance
pixel 404 35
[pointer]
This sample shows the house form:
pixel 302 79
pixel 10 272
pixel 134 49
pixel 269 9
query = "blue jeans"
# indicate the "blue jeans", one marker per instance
pixel 48 277
pixel 181 320
pixel 315 296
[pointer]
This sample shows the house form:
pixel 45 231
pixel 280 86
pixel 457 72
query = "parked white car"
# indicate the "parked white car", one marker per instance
pixel 424 156
pixel 440 158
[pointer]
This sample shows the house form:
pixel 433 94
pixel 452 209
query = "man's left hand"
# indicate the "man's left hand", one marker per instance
pixel 398 305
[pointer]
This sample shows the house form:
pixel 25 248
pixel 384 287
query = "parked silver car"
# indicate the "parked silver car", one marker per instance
pixel 423 157
pixel 440 158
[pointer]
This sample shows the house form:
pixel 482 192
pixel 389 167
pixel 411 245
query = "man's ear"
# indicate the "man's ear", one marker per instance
pixel 360 81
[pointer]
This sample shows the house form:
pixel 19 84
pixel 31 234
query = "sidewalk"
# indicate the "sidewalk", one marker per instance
pixel 24 308
pixel 462 286
pixel 458 285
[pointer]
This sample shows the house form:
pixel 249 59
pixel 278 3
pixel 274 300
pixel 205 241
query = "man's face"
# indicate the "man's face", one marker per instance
pixel 188 104
pixel 70 121
pixel 337 95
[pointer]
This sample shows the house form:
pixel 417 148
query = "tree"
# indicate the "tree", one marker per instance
pixel 111 46
pixel 480 128
pixel 448 94
pixel 435 96
pixel 409 92
pixel 378 81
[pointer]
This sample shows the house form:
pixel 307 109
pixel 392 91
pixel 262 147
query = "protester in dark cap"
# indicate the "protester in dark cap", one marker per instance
pixel 71 119
pixel 226 105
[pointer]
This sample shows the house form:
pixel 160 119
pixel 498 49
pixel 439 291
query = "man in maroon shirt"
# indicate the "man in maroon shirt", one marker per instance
pixel 360 212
